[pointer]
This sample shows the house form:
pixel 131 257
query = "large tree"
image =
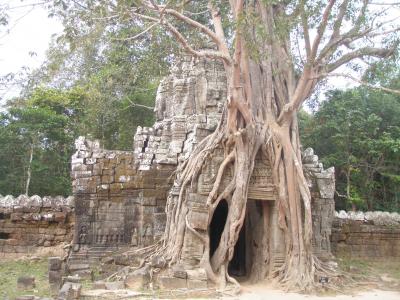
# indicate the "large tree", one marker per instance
pixel 358 131
pixel 275 54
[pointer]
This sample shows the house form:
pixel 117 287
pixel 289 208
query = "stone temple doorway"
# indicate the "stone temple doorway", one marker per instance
pixel 237 266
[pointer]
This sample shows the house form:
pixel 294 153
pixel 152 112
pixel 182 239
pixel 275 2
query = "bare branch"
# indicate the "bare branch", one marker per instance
pixel 304 23
pixel 386 3
pixel 172 12
pixel 321 29
pixel 219 31
pixel 139 34
pixel 203 53
pixel 339 20
pixel 353 34
pixel 182 40
pixel 145 17
pixel 195 24
pixel 133 104
pixel 366 51
pixel 397 92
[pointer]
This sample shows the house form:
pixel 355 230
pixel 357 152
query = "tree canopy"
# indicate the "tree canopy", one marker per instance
pixel 102 72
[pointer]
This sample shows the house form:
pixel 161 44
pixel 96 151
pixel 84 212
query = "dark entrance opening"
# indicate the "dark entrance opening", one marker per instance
pixel 217 225
pixel 145 144
pixel 4 236
pixel 237 266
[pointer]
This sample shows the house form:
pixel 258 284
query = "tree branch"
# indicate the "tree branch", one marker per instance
pixel 139 34
pixel 366 51
pixel 304 23
pixel 172 12
pixel 397 92
pixel 321 29
pixel 338 22
pixel 203 53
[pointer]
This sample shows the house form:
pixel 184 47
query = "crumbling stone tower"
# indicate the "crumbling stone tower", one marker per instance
pixel 121 196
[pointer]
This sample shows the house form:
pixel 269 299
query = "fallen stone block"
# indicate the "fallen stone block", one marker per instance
pixel 171 283
pixel 193 284
pixel 26 297
pixel 70 291
pixel 139 279
pixel 26 282
pixel 99 285
pixel 115 285
pixel 197 274
pixel 55 263
pixel 78 267
pixel 55 278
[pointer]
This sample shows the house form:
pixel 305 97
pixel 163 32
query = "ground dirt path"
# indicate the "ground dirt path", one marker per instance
pixel 264 292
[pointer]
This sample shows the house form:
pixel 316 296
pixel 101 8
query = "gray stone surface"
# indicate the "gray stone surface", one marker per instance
pixel 371 235
pixel 26 283
pixel 114 285
pixel 70 291
pixel 30 223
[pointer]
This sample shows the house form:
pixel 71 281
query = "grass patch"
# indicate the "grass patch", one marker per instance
pixel 10 270
pixel 384 272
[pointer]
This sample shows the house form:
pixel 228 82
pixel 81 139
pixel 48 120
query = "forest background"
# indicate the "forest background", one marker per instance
pixel 99 82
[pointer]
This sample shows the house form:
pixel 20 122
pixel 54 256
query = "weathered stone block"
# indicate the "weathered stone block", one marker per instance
pixel 198 219
pixel 26 282
pixel 171 283
pixel 55 263
pixel 99 285
pixel 70 291
pixel 25 297
pixel 115 285
pixel 197 284
pixel 115 188
pixel 16 217
pixel 140 279
pixel 55 278
pixel 60 217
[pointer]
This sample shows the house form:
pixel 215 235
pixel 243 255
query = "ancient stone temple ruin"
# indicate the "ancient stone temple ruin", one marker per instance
pixel 121 196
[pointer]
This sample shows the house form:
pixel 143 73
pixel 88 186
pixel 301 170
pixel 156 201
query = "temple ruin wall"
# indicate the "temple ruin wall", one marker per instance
pixel 373 235
pixel 33 225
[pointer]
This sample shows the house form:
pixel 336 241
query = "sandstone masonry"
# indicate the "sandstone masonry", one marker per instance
pixel 28 224
pixel 366 235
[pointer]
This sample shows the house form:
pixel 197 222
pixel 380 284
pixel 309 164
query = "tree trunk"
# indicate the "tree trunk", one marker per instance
pixel 256 118
pixel 29 172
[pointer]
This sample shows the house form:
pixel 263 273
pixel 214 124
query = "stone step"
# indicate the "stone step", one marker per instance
pixel 78 267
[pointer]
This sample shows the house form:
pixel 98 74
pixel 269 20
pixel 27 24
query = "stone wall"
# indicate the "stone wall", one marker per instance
pixel 117 204
pixel 322 188
pixel 121 195
pixel 373 235
pixel 31 224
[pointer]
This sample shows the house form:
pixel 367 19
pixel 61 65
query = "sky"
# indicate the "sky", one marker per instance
pixel 29 30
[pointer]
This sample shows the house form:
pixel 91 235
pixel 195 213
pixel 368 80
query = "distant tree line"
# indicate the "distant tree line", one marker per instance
pixel 358 132
pixel 96 81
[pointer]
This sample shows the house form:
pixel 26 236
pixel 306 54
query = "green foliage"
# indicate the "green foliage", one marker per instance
pixel 96 53
pixel 48 122
pixel 358 132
